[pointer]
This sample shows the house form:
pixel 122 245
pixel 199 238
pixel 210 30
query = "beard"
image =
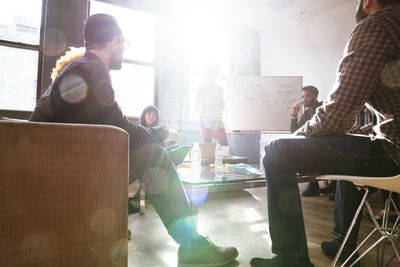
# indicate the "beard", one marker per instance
pixel 360 14
pixel 308 104
pixel 116 61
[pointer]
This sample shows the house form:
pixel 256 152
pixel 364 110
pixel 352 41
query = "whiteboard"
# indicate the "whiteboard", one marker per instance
pixel 255 103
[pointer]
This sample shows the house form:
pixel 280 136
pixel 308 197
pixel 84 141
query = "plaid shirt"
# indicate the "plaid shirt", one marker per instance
pixel 369 73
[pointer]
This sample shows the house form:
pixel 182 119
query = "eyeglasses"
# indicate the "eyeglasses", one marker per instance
pixel 126 43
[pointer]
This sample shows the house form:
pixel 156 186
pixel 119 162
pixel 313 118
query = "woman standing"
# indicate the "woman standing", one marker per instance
pixel 209 99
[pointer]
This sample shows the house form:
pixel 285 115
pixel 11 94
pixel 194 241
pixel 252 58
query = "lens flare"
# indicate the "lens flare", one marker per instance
pixel 156 181
pixel 119 252
pixel 103 221
pixel 73 89
pixel 197 196
pixel 183 229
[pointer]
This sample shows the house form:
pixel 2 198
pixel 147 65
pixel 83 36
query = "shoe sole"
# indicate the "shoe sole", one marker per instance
pixel 209 264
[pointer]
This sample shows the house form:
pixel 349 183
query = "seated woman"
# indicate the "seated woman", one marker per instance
pixel 150 118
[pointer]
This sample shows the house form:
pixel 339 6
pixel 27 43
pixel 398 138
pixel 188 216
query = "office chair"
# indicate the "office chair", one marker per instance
pixel 387 231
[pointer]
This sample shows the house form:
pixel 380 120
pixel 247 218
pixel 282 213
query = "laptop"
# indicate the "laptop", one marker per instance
pixel 178 153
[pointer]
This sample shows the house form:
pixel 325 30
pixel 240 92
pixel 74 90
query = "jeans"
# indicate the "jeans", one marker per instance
pixel 153 166
pixel 287 157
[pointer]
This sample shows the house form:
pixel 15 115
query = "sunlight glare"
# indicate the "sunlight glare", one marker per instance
pixel 170 258
pixel 204 35
pixel 259 227
pixel 252 215
pixel 28 10
pixel 268 238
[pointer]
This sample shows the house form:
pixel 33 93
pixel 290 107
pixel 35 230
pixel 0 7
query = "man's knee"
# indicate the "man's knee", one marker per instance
pixel 155 148
pixel 148 161
pixel 156 180
pixel 273 150
pixel 156 177
pixel 147 152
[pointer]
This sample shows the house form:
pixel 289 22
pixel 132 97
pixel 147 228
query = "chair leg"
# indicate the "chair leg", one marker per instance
pixel 396 249
pixel 382 256
pixel 365 252
pixel 365 239
pixel 386 214
pixel 142 201
pixel 395 225
pixel 359 246
pixel 386 232
pixel 350 228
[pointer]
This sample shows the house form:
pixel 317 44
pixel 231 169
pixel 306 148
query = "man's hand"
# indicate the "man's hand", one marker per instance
pixel 295 109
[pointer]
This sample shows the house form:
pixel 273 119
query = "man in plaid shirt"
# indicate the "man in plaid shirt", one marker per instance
pixel 368 74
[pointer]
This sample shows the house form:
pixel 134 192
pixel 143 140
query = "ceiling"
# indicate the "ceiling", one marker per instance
pixel 261 14
pixel 299 10
pixel 254 13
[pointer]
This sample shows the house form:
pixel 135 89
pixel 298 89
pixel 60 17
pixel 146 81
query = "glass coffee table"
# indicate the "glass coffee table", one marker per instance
pixel 197 189
pixel 228 182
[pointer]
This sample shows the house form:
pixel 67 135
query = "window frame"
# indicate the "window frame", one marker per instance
pixel 31 47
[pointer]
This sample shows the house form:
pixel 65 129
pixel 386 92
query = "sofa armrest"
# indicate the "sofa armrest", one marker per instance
pixel 63 194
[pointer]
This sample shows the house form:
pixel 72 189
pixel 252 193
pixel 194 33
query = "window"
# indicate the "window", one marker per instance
pixel 19 54
pixel 134 83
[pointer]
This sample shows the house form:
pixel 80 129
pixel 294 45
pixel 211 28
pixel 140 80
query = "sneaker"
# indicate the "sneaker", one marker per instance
pixel 331 247
pixel 280 261
pixel 202 252
pixel 312 190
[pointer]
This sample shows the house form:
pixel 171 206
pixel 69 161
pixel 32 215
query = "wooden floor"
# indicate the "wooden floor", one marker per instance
pixel 236 219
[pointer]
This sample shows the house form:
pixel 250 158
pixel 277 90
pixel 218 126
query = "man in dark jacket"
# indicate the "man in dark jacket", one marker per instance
pixel 309 95
pixel 82 93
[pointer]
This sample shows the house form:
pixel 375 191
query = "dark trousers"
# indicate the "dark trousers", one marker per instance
pixel 152 165
pixel 285 157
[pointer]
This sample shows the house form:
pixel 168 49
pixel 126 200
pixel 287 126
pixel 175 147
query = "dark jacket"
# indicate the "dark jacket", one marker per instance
pixel 307 115
pixel 83 93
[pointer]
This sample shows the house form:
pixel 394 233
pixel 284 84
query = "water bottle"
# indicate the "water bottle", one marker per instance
pixel 196 161
pixel 218 162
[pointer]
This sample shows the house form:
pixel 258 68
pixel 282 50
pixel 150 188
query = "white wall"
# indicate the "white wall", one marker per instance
pixel 311 49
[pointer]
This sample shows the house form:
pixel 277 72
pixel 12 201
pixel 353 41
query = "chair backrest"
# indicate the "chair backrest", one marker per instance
pixel 391 183
pixel 63 194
